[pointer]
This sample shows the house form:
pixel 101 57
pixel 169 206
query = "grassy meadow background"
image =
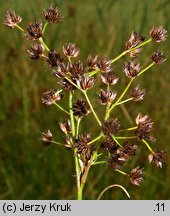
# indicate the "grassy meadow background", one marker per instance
pixel 29 171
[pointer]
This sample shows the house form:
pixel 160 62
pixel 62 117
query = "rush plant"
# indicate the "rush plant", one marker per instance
pixel 114 145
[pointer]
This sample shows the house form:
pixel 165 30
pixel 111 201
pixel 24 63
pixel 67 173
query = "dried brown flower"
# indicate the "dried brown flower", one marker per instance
pixel 51 96
pixel 11 19
pixel 110 126
pixel 127 151
pixel 143 121
pixel 54 59
pixel 137 94
pixel 67 85
pixel 66 127
pixel 61 70
pixel 109 78
pixel 114 162
pixel 46 138
pixel 53 15
pixel 134 41
pixel 34 31
pixel 81 108
pixel 136 176
pixel 109 144
pixel 36 51
pixel 92 61
pixel 85 82
pixel 158 158
pixel 104 65
pixel 76 68
pixel 145 126
pixel 158 57
pixel 131 69
pixel 70 50
pixel 106 96
pixel 83 148
pixel 158 34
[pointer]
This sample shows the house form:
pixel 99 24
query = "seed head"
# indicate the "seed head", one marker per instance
pixel 136 176
pixel 51 96
pixel 104 65
pixel 158 158
pixel 158 57
pixel 109 144
pixel 70 50
pixel 145 126
pixel 137 94
pixel 126 152
pixel 109 78
pixel 110 126
pixel 76 68
pixel 114 162
pixel 53 15
pixel 46 138
pixel 158 34
pixel 11 19
pixel 106 97
pixel 54 59
pixel 134 41
pixel 83 148
pixel 36 51
pixel 34 31
pixel 61 70
pixel 92 61
pixel 66 127
pixel 81 108
pixel 131 69
pixel 85 82
pixel 67 85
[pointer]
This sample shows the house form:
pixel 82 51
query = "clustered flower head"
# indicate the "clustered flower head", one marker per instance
pixel 77 80
pixel 12 19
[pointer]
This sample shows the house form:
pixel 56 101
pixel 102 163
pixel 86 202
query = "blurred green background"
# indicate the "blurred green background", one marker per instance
pixel 29 171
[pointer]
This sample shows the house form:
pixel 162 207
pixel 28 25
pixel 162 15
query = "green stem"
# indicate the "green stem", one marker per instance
pixel 43 43
pixel 120 171
pixel 131 137
pixel 122 95
pixel 73 83
pixel 149 66
pixel 71 113
pixel 21 29
pixel 129 129
pixel 78 126
pixel 91 107
pixel 116 140
pixel 142 44
pixel 57 143
pixel 93 72
pixel 126 51
pixel 99 162
pixel 119 56
pixel 148 146
pixel 94 140
pixel 44 27
pixel 124 101
pixel 57 105
pixel 79 195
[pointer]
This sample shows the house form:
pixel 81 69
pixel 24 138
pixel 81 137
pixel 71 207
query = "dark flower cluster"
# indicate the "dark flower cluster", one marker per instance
pixel 76 80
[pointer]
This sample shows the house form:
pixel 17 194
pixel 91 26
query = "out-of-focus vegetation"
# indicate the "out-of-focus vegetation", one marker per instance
pixel 29 171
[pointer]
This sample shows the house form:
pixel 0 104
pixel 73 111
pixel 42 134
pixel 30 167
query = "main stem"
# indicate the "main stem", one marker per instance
pixel 79 192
